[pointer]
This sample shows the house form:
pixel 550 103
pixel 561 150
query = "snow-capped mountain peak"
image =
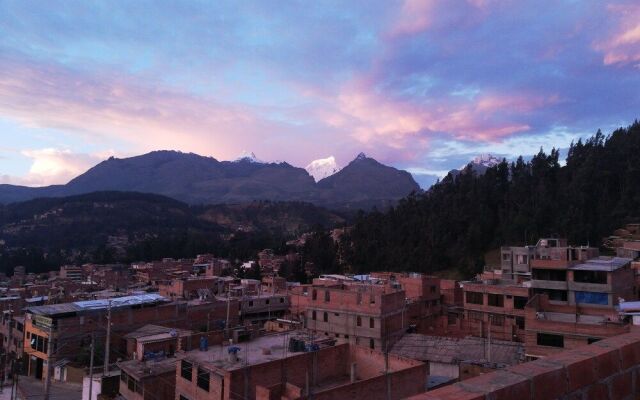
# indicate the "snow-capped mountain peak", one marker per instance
pixel 486 160
pixel 248 157
pixel 322 168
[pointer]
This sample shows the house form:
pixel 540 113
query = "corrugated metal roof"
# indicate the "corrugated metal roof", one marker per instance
pixel 80 306
pixel 608 264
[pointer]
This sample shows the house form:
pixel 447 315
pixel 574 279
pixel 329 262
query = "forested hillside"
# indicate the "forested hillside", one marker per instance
pixel 456 222
pixel 105 227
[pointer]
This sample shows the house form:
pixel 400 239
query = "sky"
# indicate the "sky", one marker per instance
pixel 421 85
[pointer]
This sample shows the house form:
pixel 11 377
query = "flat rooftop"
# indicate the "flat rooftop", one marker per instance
pixel 608 264
pixel 143 369
pixel 251 352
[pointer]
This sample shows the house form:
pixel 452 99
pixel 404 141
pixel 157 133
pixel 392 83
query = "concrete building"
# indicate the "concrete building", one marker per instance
pixel 601 281
pixel 265 369
pixel 516 262
pixel 72 272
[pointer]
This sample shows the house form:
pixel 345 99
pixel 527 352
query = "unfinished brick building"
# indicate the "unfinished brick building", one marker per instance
pixel 496 306
pixel 264 369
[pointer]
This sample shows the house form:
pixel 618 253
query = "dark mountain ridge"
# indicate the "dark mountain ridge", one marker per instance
pixel 195 179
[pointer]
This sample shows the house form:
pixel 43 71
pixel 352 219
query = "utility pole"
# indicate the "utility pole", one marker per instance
pixel 47 381
pixel 108 340
pixel 226 325
pixel 7 359
pixel 489 337
pixel 91 368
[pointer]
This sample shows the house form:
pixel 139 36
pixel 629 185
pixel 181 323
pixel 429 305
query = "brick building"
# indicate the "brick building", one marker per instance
pixel 603 370
pixel 552 327
pixel 265 369
pixel 148 380
pixel 367 315
pixel 72 324
pixel 497 306
pixel 191 288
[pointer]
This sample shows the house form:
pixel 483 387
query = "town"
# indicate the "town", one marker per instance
pixel 196 329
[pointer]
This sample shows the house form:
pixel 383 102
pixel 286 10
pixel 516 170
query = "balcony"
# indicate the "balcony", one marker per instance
pixel 556 285
pixel 590 287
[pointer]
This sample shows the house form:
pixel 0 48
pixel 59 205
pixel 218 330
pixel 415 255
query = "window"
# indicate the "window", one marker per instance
pixel 474 298
pixel 314 294
pixel 359 320
pixel 590 277
pixel 554 295
pixel 475 315
pixel 186 370
pixel 451 318
pixel 327 295
pixel 592 298
pixel 281 299
pixel 251 303
pixel 433 289
pixel 325 317
pixel 547 339
pixel 372 344
pixel 520 323
pixel 266 301
pixel 313 315
pixel 336 314
pixel 203 379
pixel 522 259
pixel 519 302
pixel 495 300
pixel 497 320
pixel 506 256
pixel 549 275
pixel 593 340
pixel 372 323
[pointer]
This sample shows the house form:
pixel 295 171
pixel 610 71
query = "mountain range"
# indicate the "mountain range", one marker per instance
pixel 196 179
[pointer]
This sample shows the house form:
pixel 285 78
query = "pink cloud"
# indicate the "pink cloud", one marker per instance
pixel 622 45
pixel 374 119
pixel 104 106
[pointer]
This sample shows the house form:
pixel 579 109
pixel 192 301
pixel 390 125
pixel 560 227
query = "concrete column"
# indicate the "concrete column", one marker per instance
pixel 353 372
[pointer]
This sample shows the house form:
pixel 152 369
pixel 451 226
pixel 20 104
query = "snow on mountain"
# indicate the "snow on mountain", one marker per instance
pixel 479 164
pixel 248 157
pixel 322 168
pixel 486 160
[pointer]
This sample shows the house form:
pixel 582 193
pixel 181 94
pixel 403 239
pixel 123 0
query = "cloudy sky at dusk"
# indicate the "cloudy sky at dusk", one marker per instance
pixel 420 85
